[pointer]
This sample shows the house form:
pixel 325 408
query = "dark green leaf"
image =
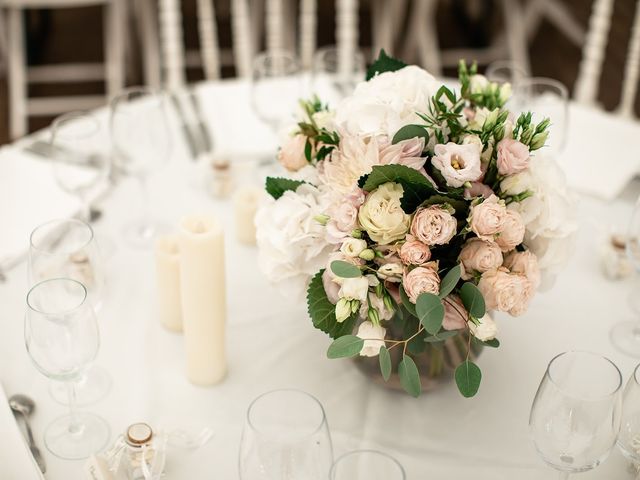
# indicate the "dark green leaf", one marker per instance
pixel 345 269
pixel 276 186
pixel 411 308
pixel 472 299
pixel 493 343
pixel 468 377
pixel 430 312
pixel 345 346
pixel 307 150
pixel 385 363
pixel 409 376
pixel 411 131
pixel 440 337
pixel 323 312
pixel 384 63
pixel 416 345
pixel 450 281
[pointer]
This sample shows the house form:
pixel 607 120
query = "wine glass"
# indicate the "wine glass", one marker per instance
pixel 81 164
pixel 61 336
pixel 335 77
pixel 629 437
pixel 545 98
pixel 67 249
pixel 366 465
pixel 285 436
pixel 505 71
pixel 141 140
pixel 575 416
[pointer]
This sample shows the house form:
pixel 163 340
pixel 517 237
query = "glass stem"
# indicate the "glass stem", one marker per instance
pixel 144 200
pixel 85 209
pixel 563 476
pixel 75 426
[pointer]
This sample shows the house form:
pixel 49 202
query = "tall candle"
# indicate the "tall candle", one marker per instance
pixel 168 281
pixel 246 205
pixel 203 295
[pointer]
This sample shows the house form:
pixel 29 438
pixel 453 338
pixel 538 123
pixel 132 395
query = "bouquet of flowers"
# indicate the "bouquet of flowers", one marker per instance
pixel 416 209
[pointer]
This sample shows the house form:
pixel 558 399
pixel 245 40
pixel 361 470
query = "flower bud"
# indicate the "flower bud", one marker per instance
pixel 343 310
pixel 388 302
pixel 526 136
pixel 379 290
pixel 374 316
pixel 356 234
pixel 322 219
pixel 505 92
pixel 367 254
pixel 538 140
pixel 355 306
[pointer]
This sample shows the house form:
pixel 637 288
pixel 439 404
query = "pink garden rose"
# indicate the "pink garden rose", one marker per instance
pixel 423 279
pixel 433 225
pixel 478 189
pixel 414 252
pixel 291 154
pixel 406 152
pixel 524 263
pixel 455 315
pixel 458 164
pixel 506 292
pixel 513 156
pixel 343 216
pixel 488 217
pixel 512 232
pixel 479 256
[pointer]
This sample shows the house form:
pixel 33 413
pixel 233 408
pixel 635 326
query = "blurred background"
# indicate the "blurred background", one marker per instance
pixel 132 42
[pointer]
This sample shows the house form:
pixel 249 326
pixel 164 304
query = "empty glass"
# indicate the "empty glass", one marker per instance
pixel 62 339
pixel 505 71
pixel 67 249
pixel 285 436
pixel 142 143
pixel 629 437
pixel 335 77
pixel 81 163
pixel 575 416
pixel 367 465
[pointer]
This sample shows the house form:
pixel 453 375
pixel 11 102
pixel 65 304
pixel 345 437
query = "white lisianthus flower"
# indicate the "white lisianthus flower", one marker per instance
pixel 458 164
pixel 391 272
pixel 517 184
pixel 478 83
pixel 382 216
pixel 486 330
pixel 373 337
pixel 355 289
pixel 352 247
pixel 292 245
pixel 386 103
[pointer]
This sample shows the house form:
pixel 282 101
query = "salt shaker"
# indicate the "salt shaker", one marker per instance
pixel 140 451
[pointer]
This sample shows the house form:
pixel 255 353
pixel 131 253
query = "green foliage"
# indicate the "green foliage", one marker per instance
pixel 406 302
pixel 409 376
pixel 472 300
pixel 411 131
pixel 344 269
pixel 468 377
pixel 345 346
pixel 322 311
pixel 385 363
pixel 276 186
pixel 450 281
pixel 441 336
pixel 384 63
pixel 430 312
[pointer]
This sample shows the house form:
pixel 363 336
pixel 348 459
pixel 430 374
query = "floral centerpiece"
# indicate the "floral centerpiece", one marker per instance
pixel 413 210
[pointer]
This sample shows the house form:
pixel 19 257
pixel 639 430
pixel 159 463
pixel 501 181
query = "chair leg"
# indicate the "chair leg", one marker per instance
pixel 114 31
pixel 516 33
pixel 3 42
pixel 17 75
pixel 427 35
pixel 146 15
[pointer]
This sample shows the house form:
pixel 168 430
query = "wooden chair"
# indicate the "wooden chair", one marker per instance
pixel 20 75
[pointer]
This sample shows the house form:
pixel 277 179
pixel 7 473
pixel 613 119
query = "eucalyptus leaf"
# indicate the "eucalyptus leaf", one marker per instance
pixel 409 376
pixel 385 363
pixel 450 281
pixel 473 300
pixel 468 377
pixel 440 337
pixel 344 269
pixel 430 312
pixel 411 131
pixel 411 308
pixel 345 346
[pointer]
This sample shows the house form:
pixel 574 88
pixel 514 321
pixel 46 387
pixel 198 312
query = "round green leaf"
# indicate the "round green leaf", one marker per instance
pixel 468 377
pixel 409 376
pixel 430 312
pixel 345 346
pixel 450 281
pixel 411 131
pixel 385 363
pixel 344 269
pixel 473 300
pixel 441 336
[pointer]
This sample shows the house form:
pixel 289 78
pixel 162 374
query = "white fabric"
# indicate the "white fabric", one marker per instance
pixel 272 344
pixel 16 462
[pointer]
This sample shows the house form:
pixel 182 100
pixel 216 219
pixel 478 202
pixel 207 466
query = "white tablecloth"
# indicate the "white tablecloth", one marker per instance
pixel 272 344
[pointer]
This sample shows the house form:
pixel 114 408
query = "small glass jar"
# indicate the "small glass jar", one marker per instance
pixel 139 449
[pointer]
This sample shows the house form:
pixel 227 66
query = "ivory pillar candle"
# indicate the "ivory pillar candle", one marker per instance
pixel 168 281
pixel 203 292
pixel 245 206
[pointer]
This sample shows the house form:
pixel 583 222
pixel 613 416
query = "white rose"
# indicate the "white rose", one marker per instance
pixel 478 83
pixel 386 103
pixel 291 243
pixel 352 247
pixel 391 272
pixel 373 338
pixel 486 330
pixel 355 289
pixel 382 216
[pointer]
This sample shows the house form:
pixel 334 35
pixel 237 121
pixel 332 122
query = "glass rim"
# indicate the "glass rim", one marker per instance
pixel 75 221
pixel 334 466
pixel 145 90
pixel 322 422
pixel 58 279
pixel 636 374
pixel 547 81
pixel 281 53
pixel 73 115
pixel 571 395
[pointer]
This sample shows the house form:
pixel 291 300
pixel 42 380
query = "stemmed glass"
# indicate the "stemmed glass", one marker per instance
pixel 285 436
pixel 335 77
pixel 366 465
pixel 141 140
pixel 629 437
pixel 67 249
pixel 81 163
pixel 505 71
pixel 575 416
pixel 62 338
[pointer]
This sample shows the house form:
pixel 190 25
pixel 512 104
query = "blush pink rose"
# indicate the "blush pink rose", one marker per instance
pixel 478 189
pixel 433 225
pixel 488 217
pixel 458 164
pixel 291 154
pixel 343 216
pixel 414 252
pixel 512 232
pixel 525 263
pixel 479 256
pixel 504 291
pixel 513 156
pixel 455 315
pixel 423 279
pixel 406 152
